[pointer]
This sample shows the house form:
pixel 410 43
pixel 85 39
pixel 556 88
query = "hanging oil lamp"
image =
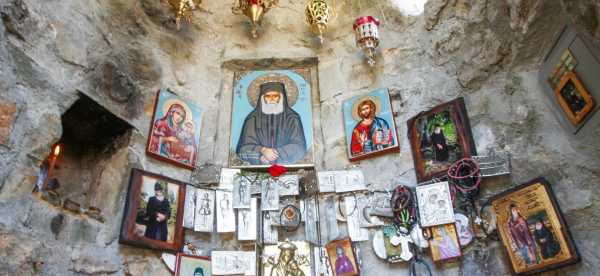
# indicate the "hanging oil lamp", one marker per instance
pixel 255 10
pixel 318 14
pixel 366 29
pixel 183 9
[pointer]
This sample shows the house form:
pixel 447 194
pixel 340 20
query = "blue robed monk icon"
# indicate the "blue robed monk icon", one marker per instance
pixel 272 133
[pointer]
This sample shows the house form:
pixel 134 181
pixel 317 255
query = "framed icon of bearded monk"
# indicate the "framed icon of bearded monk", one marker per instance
pixel 272 119
pixel 370 127
pixel 175 130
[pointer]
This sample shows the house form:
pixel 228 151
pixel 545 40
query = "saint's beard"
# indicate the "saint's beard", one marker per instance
pixel 368 116
pixel 272 108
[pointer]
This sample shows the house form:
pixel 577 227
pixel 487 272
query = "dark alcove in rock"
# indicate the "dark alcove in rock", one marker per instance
pixel 91 136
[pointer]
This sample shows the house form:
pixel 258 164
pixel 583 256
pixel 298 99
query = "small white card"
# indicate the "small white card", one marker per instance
pixel 327 181
pixel 341 181
pixel 353 216
pixel 246 228
pixel 189 209
pixel 205 210
pixel 227 177
pixel 288 185
pixel 270 196
pixel 225 214
pixel 270 233
pixel 233 263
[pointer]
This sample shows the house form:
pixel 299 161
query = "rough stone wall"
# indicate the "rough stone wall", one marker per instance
pixel 121 52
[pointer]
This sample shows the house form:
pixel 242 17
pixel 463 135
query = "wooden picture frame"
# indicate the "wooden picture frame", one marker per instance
pixel 332 254
pixel 203 263
pixel 455 133
pixel 183 152
pixel 133 231
pixel 444 235
pixel 379 104
pixel 532 229
pixel 578 106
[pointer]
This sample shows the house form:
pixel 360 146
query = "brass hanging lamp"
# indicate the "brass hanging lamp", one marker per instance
pixel 318 16
pixel 255 10
pixel 183 9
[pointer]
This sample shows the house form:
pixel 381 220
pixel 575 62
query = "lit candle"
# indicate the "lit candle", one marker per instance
pixel 53 159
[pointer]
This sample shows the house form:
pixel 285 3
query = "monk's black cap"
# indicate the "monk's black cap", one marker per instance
pixel 158 187
pixel 272 86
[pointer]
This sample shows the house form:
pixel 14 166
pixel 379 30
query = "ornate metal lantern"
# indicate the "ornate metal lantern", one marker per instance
pixel 318 14
pixel 183 9
pixel 255 10
pixel 366 29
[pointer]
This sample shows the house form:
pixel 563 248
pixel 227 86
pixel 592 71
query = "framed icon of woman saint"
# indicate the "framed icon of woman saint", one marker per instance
pixel 175 130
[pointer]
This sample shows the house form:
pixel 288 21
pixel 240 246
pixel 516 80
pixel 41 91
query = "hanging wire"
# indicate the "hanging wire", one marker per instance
pixel 381 11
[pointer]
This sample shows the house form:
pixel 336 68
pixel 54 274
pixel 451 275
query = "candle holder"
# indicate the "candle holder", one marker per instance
pixel 255 10
pixel 366 29
pixel 318 15
pixel 183 9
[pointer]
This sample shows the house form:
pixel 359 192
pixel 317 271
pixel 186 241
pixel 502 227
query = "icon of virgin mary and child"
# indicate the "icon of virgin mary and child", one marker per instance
pixel 173 136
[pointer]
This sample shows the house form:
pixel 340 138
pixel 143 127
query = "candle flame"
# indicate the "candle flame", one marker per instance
pixel 56 150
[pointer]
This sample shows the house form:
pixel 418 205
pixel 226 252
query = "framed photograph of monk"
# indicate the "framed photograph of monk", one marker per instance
pixel 153 216
pixel 174 130
pixel 532 229
pixel 575 101
pixel 272 120
pixel 439 137
pixel 370 127
pixel 189 265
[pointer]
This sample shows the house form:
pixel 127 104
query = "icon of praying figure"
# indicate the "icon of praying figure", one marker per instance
pixel 273 132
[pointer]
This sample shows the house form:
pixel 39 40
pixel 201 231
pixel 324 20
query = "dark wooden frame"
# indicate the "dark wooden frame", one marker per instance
pixel 457 241
pixel 564 229
pixel 127 235
pixel 343 240
pixel 152 120
pixel 574 118
pixel 463 131
pixel 395 148
pixel 181 255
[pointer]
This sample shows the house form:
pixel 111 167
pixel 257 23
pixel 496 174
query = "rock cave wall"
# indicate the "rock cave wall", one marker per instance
pixel 121 52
